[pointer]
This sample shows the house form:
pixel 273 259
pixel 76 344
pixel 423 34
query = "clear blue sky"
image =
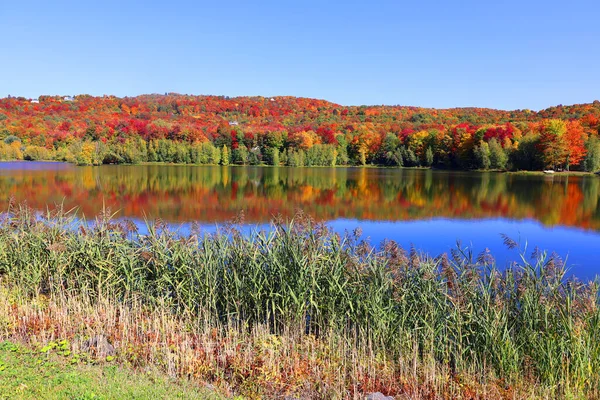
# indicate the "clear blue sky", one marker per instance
pixel 500 54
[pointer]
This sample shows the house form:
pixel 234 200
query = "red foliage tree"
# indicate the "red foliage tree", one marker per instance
pixel 575 138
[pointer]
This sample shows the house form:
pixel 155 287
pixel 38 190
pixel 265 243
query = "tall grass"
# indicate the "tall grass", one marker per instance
pixel 392 320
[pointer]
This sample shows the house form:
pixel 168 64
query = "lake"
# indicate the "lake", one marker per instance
pixel 425 208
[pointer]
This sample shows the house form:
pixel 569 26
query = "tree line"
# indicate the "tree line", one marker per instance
pixel 295 132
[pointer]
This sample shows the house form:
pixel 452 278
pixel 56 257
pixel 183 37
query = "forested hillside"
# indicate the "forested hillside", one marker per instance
pixel 296 132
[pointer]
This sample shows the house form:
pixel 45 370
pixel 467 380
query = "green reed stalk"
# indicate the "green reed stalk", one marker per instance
pixel 526 323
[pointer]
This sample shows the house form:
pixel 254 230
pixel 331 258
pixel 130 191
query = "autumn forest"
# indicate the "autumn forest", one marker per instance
pixel 292 131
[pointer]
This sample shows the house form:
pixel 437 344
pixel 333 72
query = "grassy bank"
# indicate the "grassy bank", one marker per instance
pixel 27 373
pixel 299 311
pixel 562 173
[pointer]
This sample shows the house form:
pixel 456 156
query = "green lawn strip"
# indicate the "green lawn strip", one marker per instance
pixel 30 374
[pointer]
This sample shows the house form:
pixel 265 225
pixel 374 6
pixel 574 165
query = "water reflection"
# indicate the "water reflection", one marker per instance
pixel 218 194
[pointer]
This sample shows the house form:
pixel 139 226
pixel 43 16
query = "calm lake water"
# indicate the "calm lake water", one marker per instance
pixel 430 209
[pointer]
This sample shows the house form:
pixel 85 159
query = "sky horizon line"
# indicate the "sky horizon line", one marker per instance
pixel 295 96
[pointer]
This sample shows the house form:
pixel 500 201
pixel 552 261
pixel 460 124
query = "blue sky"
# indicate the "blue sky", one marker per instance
pixel 508 55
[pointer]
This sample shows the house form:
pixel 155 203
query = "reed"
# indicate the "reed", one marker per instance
pixel 300 310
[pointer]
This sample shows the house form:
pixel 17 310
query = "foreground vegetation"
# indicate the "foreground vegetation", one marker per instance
pixel 299 311
pixel 295 132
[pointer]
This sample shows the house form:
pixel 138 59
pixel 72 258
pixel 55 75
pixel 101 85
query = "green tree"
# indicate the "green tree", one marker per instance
pixel 283 157
pixel 342 150
pixel 321 154
pixel 203 153
pixel 225 155
pixel 275 139
pixel 255 156
pixel 390 154
pixel 152 155
pixel 429 157
pixel 182 153
pixel 592 158
pixel 240 155
pixel 409 157
pixel 482 155
pixel 527 156
pixel 296 158
pixel 271 155
pixel 498 157
pixel 133 151
pixel 216 154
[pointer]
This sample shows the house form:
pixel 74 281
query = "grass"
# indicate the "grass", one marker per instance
pixel 32 374
pixel 299 310
pixel 561 173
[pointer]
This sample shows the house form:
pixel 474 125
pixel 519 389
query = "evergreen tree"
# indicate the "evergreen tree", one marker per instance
pixel 283 157
pixel 225 155
pixel 429 157
pixel 410 159
pixel 216 155
pixel 152 156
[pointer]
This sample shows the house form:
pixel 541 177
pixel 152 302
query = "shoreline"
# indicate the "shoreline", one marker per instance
pixel 370 166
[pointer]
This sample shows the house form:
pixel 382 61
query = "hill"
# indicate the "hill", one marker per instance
pixel 294 131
